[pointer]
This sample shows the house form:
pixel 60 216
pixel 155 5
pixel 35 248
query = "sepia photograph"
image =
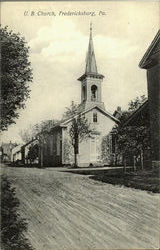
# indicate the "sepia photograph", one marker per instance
pixel 80 125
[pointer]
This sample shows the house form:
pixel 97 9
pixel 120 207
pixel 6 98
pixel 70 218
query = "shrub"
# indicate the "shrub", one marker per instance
pixel 12 225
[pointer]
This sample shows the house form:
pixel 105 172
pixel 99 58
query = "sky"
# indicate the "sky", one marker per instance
pixel 122 32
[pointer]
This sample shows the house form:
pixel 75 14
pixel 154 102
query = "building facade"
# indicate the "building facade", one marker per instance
pixel 55 145
pixel 25 150
pixel 151 62
pixel 6 151
pixel 16 154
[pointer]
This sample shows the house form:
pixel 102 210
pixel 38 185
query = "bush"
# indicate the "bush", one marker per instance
pixel 12 225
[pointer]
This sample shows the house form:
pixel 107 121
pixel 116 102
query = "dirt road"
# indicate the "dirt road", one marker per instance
pixel 69 211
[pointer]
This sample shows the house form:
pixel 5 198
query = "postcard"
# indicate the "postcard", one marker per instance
pixel 80 125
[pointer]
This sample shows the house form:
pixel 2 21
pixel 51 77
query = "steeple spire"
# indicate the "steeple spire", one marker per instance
pixel 91 66
pixel 91 30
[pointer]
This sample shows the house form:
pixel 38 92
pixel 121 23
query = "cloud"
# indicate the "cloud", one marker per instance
pixel 60 36
pixel 61 60
pixel 113 47
pixel 58 51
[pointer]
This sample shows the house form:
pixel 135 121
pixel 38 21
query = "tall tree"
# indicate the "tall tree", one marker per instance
pixel 32 131
pixel 79 131
pixel 70 111
pixel 16 73
pixel 33 152
pixel 133 139
pixel 136 103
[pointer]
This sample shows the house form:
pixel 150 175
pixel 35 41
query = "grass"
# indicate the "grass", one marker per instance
pixel 147 179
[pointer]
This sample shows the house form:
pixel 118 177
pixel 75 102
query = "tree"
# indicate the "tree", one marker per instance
pixel 134 139
pixel 106 155
pixel 71 111
pixel 33 152
pixel 13 227
pixel 79 129
pixel 27 134
pixel 33 130
pixel 136 103
pixel 78 132
pixel 16 73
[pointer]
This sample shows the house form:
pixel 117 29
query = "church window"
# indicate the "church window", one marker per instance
pixel 94 117
pixel 84 92
pixel 94 93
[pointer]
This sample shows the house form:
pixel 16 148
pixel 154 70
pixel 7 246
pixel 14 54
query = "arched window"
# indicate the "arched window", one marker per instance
pixel 93 93
pixel 94 117
pixel 84 92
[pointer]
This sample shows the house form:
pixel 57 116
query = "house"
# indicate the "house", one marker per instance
pixel 138 116
pixel 16 154
pixel 151 62
pixel 25 149
pixel 148 114
pixel 21 153
pixel 6 151
pixel 55 146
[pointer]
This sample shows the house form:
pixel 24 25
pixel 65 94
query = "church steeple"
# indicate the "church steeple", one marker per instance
pixel 91 80
pixel 91 66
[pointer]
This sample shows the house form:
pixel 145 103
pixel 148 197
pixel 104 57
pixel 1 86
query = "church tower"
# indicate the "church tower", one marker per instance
pixel 91 80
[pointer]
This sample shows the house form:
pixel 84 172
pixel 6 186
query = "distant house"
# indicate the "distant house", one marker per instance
pixel 6 151
pixel 25 149
pixel 55 146
pixel 21 153
pixel 16 154
pixel 151 62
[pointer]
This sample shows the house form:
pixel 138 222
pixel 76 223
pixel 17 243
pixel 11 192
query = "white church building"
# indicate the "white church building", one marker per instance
pixel 55 147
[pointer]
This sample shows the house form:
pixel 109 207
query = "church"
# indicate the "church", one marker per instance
pixel 55 146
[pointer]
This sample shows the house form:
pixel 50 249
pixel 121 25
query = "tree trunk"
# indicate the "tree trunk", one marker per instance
pixel 76 151
pixel 75 160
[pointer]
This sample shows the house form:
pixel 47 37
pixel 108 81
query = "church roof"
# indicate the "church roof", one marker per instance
pixel 86 111
pixel 150 57
pixel 91 66
pixel 63 124
pixel 139 112
pixel 30 142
